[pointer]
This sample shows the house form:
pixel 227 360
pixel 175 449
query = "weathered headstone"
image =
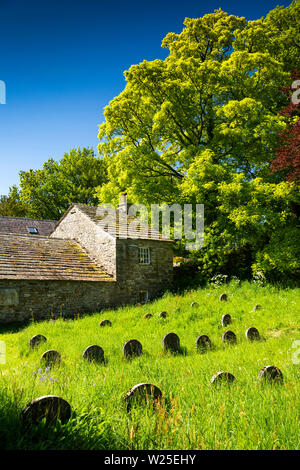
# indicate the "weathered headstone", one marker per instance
pixel 105 323
pixel 229 337
pixel 171 342
pixel 148 315
pixel 252 334
pixel 142 394
pixel 203 343
pixel 50 407
pixel 93 353
pixel 226 319
pixel 223 297
pixel 36 340
pixel 162 314
pixel 194 304
pixel 222 377
pixel 257 307
pixel 51 358
pixel 132 348
pixel 270 374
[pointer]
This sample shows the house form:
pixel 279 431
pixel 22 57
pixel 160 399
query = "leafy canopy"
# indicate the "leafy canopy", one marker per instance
pixel 207 118
pixel 47 193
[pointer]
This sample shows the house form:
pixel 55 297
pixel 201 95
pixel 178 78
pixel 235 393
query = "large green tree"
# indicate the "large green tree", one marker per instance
pixel 48 192
pixel 206 115
pixel 11 205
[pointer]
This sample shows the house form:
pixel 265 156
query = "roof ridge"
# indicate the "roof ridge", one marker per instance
pixel 26 218
pixel 31 237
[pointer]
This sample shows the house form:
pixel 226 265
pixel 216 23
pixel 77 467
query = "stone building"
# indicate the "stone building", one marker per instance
pixel 85 262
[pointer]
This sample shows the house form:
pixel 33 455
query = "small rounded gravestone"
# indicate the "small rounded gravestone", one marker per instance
pixel 143 393
pixel 257 307
pixel 270 374
pixel 171 342
pixel 252 334
pixel 223 297
pixel 50 407
pixel 36 340
pixel 132 348
pixel 51 358
pixel 162 315
pixel 222 377
pixel 194 304
pixel 203 343
pixel 148 315
pixel 93 353
pixel 229 337
pixel 105 323
pixel 226 319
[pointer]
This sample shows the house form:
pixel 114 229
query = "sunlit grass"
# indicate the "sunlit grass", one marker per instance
pixel 194 414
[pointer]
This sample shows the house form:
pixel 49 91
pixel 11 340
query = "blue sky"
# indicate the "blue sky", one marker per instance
pixel 63 61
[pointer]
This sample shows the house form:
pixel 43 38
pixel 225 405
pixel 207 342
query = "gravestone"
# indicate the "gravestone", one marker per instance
pixel 223 297
pixel 229 337
pixel 51 407
pixel 132 348
pixel 257 307
pixel 148 315
pixel 105 323
pixel 270 374
pixel 51 358
pixel 194 304
pixel 162 315
pixel 171 342
pixel 36 340
pixel 226 319
pixel 222 377
pixel 93 353
pixel 203 343
pixel 252 334
pixel 142 394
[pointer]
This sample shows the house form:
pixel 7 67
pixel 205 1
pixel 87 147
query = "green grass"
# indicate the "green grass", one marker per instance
pixel 194 414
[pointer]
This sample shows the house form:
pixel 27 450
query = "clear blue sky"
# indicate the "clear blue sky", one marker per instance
pixel 63 61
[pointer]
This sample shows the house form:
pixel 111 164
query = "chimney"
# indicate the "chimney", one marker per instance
pixel 123 202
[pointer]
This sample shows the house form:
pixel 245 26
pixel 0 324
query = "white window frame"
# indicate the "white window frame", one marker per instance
pixel 144 255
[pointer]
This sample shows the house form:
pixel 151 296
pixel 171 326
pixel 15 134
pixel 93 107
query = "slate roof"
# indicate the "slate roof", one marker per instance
pixel 134 231
pixel 20 225
pixel 42 258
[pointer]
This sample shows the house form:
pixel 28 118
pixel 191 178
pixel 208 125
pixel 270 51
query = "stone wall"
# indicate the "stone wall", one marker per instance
pixel 156 277
pixel 98 244
pixel 46 299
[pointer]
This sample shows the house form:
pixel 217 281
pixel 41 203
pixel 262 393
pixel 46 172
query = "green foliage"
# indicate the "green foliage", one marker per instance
pixel 278 34
pixel 47 193
pixel 11 205
pixel 194 414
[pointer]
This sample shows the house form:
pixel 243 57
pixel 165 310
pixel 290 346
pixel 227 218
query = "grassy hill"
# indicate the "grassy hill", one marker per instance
pixel 245 415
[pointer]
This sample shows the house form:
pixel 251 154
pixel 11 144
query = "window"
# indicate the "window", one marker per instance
pixel 33 230
pixel 144 255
